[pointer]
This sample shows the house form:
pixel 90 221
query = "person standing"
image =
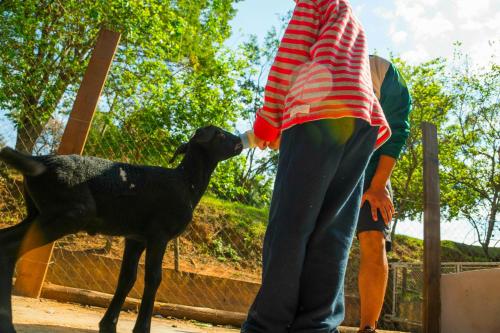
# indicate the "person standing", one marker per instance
pixel 374 233
pixel 320 109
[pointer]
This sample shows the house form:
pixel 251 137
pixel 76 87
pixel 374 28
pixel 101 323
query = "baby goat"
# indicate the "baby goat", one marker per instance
pixel 147 205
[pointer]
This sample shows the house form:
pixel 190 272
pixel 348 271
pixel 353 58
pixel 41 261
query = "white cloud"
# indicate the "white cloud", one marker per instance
pixel 416 54
pixel 476 8
pixel 397 36
pixel 359 9
pixel 384 13
pixel 423 29
pixel 484 52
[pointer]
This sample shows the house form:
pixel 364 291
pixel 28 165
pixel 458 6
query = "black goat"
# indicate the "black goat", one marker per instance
pixel 147 205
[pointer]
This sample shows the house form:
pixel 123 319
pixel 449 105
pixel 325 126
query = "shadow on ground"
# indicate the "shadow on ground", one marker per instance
pixel 34 328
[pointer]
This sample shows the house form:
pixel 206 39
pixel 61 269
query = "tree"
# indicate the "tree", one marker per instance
pixel 431 102
pixel 170 54
pixel 472 166
pixel 249 178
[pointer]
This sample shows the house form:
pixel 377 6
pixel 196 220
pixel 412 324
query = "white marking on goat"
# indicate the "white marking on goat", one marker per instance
pixel 132 186
pixel 123 175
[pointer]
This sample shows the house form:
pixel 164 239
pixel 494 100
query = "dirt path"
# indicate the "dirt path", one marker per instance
pixel 45 316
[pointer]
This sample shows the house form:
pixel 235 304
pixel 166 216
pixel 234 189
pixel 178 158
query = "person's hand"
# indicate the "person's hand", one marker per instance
pixel 380 200
pixel 262 144
pixel 275 145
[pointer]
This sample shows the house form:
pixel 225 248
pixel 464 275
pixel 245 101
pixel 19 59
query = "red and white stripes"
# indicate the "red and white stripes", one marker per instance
pixel 321 71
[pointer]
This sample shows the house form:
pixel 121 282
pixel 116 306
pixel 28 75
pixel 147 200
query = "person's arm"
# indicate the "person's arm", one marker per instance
pixel 396 103
pixel 377 193
pixel 294 51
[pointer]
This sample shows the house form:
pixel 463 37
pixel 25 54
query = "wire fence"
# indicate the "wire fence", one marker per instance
pixel 403 306
pixel 216 263
pixel 210 251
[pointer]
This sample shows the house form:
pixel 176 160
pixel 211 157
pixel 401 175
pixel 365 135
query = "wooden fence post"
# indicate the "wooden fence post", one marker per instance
pixel 32 267
pixel 432 233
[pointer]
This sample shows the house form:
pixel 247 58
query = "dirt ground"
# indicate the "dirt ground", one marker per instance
pixel 45 316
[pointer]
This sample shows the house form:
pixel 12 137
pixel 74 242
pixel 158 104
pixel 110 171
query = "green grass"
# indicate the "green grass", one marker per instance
pixel 230 231
pixel 246 217
pixel 245 226
pixel 412 249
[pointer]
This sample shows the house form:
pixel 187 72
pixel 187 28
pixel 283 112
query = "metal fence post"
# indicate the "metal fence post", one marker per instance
pixel 432 234
pixel 32 268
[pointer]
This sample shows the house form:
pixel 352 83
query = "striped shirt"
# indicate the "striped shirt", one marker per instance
pixel 321 71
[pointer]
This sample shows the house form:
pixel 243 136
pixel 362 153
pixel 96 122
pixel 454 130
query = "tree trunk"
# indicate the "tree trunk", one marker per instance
pixel 36 115
pixel 491 225
pixel 393 231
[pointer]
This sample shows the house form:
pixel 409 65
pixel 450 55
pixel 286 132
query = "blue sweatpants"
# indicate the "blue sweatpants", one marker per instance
pixel 312 221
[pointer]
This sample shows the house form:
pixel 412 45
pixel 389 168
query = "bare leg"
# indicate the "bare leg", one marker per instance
pixel 372 279
pixel 154 257
pixel 16 241
pixel 126 280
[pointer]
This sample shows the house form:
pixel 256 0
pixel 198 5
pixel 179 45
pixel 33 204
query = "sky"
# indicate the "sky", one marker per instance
pixel 416 30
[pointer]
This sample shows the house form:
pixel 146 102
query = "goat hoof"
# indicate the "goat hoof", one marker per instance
pixel 107 328
pixel 141 330
pixel 7 328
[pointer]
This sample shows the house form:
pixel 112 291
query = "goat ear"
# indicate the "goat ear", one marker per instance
pixel 181 150
pixel 204 135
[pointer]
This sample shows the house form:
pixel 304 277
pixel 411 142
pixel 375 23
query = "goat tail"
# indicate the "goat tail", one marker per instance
pixel 21 162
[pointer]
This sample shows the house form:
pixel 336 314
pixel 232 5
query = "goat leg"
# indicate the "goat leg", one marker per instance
pixel 126 280
pixel 33 232
pixel 10 241
pixel 7 264
pixel 155 251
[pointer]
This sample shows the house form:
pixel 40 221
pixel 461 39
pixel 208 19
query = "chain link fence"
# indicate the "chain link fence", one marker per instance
pixel 218 257
pixel 216 263
pixel 403 308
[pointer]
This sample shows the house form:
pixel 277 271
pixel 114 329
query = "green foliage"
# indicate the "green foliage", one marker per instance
pixel 471 156
pixel 238 230
pixel 223 251
pixel 431 103
pixel 232 183
pixel 241 228
pixel 463 104
pixel 249 179
pixel 411 249
pixel 169 68
pixel 171 75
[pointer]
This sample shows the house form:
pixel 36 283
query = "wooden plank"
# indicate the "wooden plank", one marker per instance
pixel 94 298
pixel 205 315
pixel 32 268
pixel 432 233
